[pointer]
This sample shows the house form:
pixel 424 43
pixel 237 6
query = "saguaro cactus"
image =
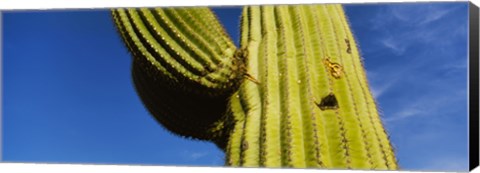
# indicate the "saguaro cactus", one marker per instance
pixel 294 94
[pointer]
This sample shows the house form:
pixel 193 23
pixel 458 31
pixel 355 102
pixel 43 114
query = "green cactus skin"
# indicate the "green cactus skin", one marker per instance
pixel 297 94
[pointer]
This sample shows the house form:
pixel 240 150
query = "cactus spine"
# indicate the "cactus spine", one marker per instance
pixel 294 95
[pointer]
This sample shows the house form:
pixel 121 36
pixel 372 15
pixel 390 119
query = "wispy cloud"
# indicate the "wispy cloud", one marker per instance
pixel 410 14
pixel 416 24
pixel 434 15
pixel 451 163
pixel 394 45
pixel 379 84
pixel 421 15
pixel 418 91
pixel 405 113
pixel 429 104
pixel 194 155
pixel 420 41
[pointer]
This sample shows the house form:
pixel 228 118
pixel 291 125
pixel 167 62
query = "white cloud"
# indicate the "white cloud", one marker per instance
pixel 447 164
pixel 406 113
pixel 414 34
pixel 416 25
pixel 382 79
pixel 434 15
pixel 460 64
pixel 419 15
pixel 429 104
pixel 394 45
pixel 379 84
pixel 194 155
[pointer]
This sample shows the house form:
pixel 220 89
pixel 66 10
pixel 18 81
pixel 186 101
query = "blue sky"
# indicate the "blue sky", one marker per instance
pixel 68 95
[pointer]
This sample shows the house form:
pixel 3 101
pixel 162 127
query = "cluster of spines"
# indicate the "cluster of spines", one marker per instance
pixel 301 55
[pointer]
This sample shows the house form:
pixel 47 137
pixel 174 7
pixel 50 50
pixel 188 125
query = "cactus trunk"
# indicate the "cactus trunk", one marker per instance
pixel 294 95
pixel 312 106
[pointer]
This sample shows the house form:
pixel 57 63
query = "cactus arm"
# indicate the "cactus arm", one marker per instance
pixel 173 41
pixel 182 58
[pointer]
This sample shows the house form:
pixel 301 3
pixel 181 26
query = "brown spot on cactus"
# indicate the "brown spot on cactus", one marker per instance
pixel 349 49
pixel 260 103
